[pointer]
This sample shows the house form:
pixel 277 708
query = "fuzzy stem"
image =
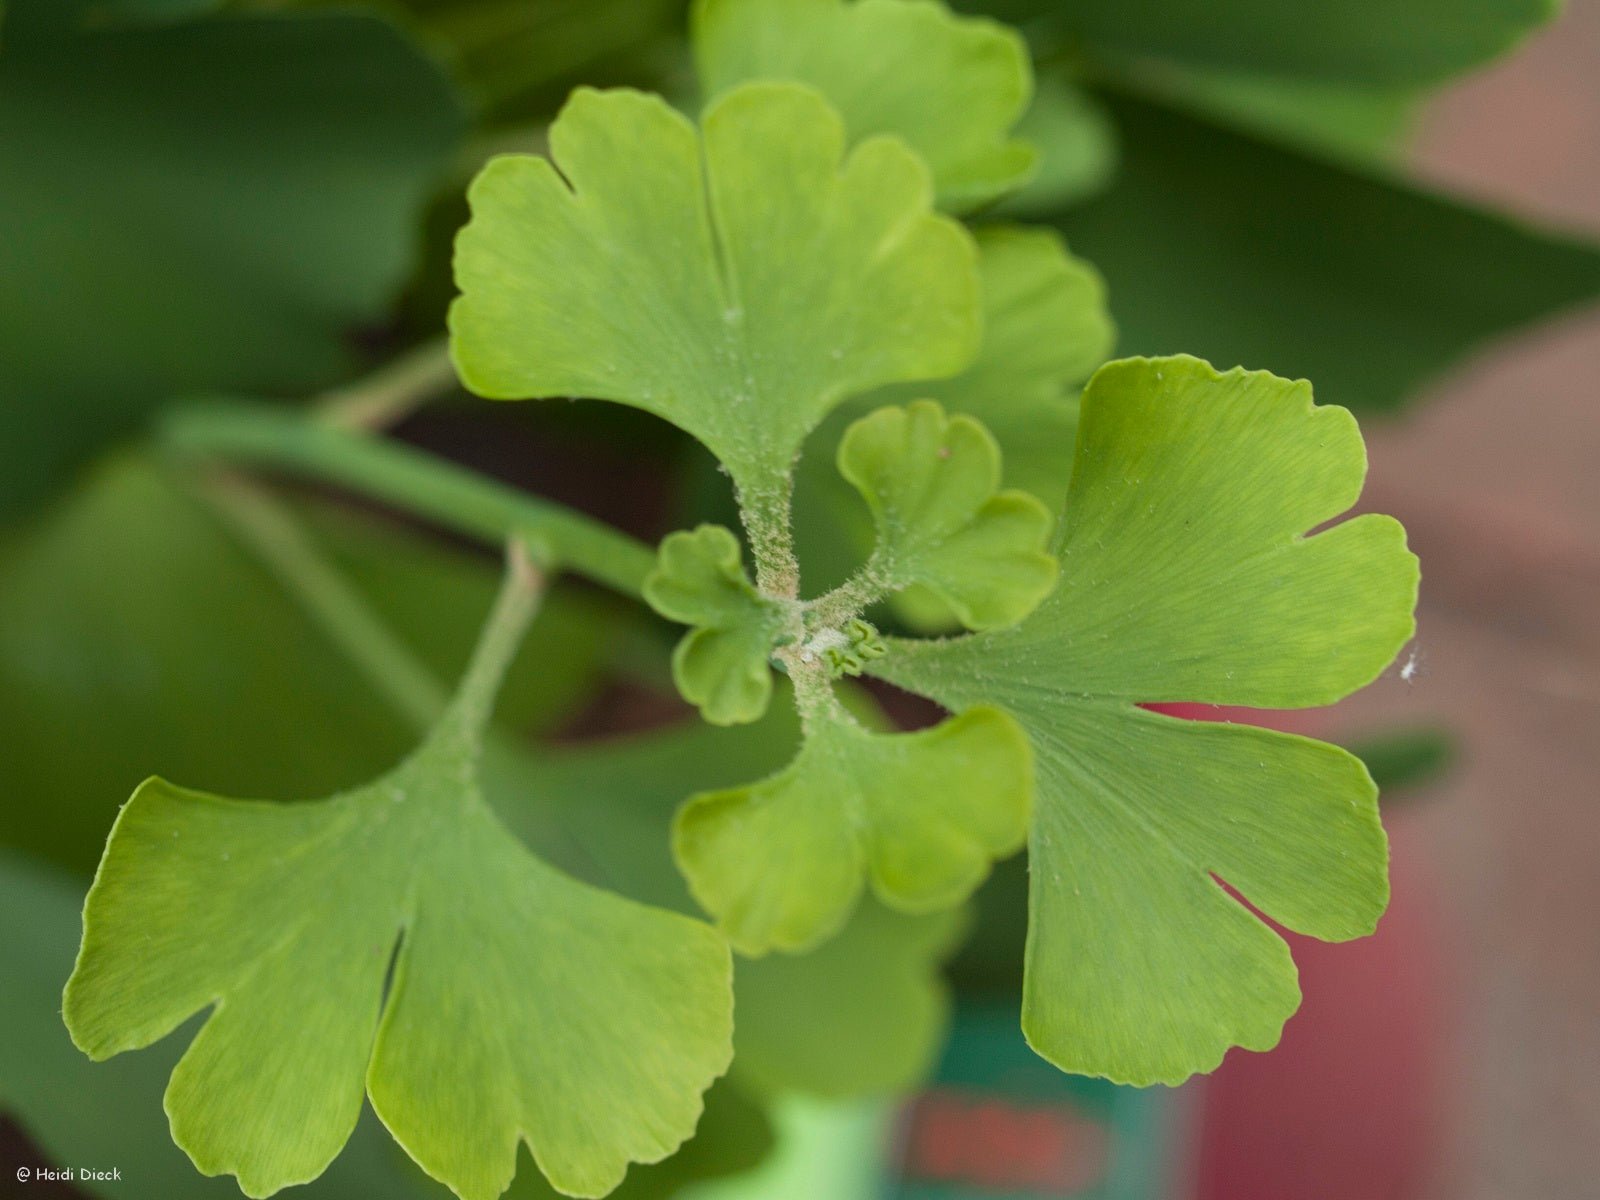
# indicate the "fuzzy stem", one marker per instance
pixel 852 597
pixel 764 507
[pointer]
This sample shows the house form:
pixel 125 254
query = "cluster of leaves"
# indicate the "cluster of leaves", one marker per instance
pixel 496 944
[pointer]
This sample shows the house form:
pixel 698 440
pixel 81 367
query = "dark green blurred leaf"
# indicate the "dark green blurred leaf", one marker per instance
pixel 517 59
pixel 206 204
pixel 105 1115
pixel 1378 41
pixel 136 636
pixel 1226 246
pixel 110 11
pixel 1355 120
pixel 1407 758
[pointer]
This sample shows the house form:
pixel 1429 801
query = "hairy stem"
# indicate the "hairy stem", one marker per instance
pixel 851 598
pixel 415 482
pixel 261 521
pixel 764 508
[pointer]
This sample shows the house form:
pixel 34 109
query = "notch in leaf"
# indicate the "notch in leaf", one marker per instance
pixel 932 483
pixel 720 665
pixel 522 1004
pixel 1187 575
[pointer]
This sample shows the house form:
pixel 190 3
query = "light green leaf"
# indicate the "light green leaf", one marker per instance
pixel 1375 285
pixel 781 863
pixel 1186 575
pixel 932 483
pixel 740 282
pixel 721 665
pixel 951 86
pixel 82 1113
pixel 478 996
pixel 228 231
pixel 864 1013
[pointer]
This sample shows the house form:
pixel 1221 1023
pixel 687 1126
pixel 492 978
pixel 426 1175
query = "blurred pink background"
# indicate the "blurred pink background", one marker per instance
pixel 1497 476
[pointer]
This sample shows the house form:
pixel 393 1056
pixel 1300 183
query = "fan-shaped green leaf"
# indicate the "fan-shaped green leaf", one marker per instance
pixel 396 941
pixel 740 282
pixel 781 863
pixel 1187 576
pixel 932 483
pixel 951 86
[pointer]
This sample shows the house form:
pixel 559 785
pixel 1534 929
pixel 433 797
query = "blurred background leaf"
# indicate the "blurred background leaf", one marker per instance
pixel 1405 759
pixel 1245 251
pixel 217 203
pixel 1376 41
pixel 180 653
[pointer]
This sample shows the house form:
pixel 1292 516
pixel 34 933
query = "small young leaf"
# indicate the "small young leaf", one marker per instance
pixel 781 863
pixel 721 665
pixel 740 282
pixel 1187 576
pixel 932 483
pixel 397 941
pixel 1045 330
pixel 951 86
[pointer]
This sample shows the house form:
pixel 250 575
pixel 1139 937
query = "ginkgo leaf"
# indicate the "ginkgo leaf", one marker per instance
pixel 1187 575
pixel 721 665
pixel 781 863
pixel 932 483
pixel 951 86
pixel 739 281
pixel 397 941
pixel 1045 329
